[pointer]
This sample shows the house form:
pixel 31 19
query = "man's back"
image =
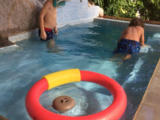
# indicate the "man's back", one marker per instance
pixel 133 33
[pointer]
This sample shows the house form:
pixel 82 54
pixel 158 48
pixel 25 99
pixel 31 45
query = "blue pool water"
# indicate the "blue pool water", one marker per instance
pixel 88 47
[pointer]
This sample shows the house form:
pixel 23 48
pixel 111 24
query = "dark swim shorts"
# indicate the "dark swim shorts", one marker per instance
pixel 128 46
pixel 49 32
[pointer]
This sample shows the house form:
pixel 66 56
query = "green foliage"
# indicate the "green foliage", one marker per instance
pixel 99 2
pixel 124 8
pixel 149 9
pixel 153 9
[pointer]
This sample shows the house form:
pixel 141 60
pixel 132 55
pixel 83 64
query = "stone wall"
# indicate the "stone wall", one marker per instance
pixel 18 15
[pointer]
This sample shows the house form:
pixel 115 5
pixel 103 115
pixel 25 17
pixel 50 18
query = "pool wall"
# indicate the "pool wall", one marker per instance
pixel 121 21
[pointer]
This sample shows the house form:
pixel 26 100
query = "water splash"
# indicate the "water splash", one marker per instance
pixel 156 35
pixel 146 49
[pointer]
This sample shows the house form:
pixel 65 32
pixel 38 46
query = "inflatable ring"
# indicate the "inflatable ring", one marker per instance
pixel 38 112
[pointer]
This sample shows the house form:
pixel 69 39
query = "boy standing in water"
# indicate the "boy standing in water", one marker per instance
pixel 132 38
pixel 48 23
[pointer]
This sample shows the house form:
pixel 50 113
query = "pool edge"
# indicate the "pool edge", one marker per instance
pixel 8 48
pixel 123 21
pixel 148 107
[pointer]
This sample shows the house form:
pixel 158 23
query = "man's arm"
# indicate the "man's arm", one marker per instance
pixel 101 12
pixel 41 20
pixel 56 29
pixel 142 38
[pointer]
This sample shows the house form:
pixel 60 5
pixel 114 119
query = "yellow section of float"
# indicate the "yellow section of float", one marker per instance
pixel 63 77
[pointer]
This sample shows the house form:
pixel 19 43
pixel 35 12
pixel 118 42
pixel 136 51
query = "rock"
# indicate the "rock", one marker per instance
pixel 19 15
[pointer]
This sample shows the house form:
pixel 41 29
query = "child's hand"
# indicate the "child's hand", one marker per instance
pixel 56 30
pixel 43 35
pixel 144 45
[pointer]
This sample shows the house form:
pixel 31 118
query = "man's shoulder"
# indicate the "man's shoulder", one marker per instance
pixel 140 28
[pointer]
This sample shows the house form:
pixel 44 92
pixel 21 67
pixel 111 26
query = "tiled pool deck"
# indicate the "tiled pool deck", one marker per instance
pixel 149 108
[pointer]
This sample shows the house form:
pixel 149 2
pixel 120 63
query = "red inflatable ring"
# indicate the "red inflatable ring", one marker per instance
pixel 38 112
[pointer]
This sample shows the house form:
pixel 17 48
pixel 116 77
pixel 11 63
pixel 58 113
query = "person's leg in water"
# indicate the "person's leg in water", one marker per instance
pixel 51 44
pixel 127 57
pixel 125 47
pixel 134 48
pixel 51 38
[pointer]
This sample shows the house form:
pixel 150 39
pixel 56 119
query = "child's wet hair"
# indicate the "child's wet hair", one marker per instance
pixel 136 22
pixel 91 2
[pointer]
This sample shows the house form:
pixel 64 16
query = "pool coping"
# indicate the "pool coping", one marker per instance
pixel 129 19
pixel 123 21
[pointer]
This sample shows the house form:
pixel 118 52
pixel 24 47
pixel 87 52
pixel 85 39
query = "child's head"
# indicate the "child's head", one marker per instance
pixel 136 22
pixel 58 3
pixel 91 2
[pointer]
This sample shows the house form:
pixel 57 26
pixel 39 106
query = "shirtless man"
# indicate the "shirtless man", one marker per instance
pixel 48 24
pixel 101 11
pixel 132 38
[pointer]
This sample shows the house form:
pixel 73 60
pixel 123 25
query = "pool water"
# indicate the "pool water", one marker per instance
pixel 87 46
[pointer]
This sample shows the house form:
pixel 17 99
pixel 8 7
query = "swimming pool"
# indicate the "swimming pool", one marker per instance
pixel 87 46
